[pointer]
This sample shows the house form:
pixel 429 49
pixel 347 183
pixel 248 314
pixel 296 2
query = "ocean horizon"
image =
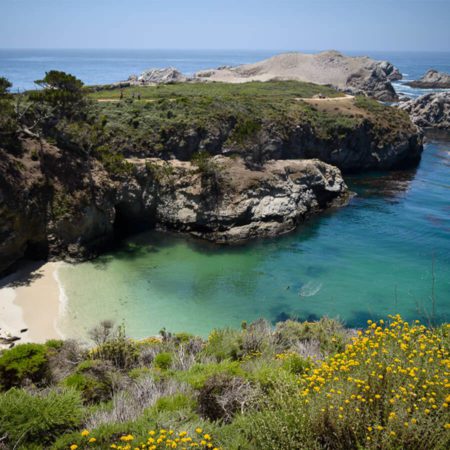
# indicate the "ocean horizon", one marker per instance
pixel 102 66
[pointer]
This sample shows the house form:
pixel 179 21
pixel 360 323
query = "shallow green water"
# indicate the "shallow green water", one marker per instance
pixel 369 259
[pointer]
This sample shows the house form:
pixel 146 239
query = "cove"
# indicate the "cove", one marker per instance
pixel 387 252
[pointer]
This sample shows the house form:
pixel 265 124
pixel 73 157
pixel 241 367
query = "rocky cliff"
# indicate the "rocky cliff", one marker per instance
pixel 351 74
pixel 51 205
pixel 225 163
pixel 430 110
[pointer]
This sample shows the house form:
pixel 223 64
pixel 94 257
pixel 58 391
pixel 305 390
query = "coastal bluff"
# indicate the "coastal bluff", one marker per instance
pixel 355 75
pixel 225 162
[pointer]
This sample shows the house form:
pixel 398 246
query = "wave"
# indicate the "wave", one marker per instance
pixel 63 299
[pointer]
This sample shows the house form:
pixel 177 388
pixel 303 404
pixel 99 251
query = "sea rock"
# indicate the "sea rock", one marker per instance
pixel 430 110
pixel 433 79
pixel 352 74
pixel 160 76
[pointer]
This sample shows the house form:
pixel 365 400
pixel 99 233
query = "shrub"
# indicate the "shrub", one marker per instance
pixel 294 363
pixel 38 418
pixel 24 362
pixel 222 396
pixel 94 379
pixel 156 439
pixel 163 360
pixel 121 351
pixel 387 390
pixel 223 344
pixel 329 333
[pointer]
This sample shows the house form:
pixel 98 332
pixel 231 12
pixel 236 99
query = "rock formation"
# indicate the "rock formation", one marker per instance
pixel 77 213
pixel 160 76
pixel 433 79
pixel 351 74
pixel 430 110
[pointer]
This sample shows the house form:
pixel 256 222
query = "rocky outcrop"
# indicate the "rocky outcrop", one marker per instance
pixel 159 76
pixel 233 203
pixel 429 111
pixel 433 79
pixel 351 74
pixel 53 206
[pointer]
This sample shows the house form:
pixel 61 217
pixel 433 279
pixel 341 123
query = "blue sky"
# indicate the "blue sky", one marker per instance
pixel 227 24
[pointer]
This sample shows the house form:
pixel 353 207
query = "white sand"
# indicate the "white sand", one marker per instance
pixel 31 298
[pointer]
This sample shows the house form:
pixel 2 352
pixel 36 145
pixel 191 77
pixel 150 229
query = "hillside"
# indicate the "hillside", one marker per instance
pixel 310 385
pixel 352 74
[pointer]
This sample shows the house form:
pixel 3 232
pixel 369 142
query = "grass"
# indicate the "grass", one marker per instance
pixel 208 91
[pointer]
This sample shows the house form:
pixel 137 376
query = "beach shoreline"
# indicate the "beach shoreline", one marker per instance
pixel 31 303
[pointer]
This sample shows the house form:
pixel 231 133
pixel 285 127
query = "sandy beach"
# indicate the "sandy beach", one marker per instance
pixel 30 300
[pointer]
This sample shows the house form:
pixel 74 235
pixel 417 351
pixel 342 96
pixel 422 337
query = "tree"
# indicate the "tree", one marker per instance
pixel 5 86
pixel 8 118
pixel 62 92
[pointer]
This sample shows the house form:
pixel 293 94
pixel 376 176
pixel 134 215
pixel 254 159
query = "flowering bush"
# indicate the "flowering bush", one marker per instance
pixel 162 439
pixel 389 388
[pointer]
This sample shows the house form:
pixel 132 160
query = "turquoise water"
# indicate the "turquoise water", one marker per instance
pixel 372 258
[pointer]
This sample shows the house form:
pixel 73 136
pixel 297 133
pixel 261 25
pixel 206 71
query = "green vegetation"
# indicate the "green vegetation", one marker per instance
pixel 208 91
pixel 23 362
pixel 310 385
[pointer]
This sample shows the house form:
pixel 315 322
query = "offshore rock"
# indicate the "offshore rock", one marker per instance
pixel 433 79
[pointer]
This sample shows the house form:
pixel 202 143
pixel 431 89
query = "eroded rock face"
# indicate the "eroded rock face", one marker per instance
pixel 351 74
pixel 430 110
pixel 234 203
pixel 54 207
pixel 433 79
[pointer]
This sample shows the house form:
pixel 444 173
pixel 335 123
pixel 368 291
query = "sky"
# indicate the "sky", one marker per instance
pixel 387 25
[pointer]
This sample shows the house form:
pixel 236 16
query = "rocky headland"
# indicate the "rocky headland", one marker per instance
pixel 355 75
pixel 430 110
pixel 433 79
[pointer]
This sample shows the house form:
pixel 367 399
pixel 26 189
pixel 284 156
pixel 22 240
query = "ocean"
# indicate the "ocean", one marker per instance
pixel 23 67
pixel 387 252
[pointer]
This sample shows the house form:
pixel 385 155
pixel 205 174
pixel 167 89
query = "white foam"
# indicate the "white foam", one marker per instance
pixel 310 288
pixel 63 299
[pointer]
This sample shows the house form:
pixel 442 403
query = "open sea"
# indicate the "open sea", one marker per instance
pixel 387 252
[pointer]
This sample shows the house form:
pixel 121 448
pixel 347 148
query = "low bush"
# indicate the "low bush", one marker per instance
pixel 38 418
pixel 163 360
pixel 24 362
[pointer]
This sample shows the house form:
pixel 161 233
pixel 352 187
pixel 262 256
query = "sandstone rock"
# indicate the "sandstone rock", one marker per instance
pixel 351 74
pixel 433 79
pixel 430 110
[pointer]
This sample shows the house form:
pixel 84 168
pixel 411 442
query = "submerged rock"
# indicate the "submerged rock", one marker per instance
pixel 430 110
pixel 351 74
pixel 433 79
